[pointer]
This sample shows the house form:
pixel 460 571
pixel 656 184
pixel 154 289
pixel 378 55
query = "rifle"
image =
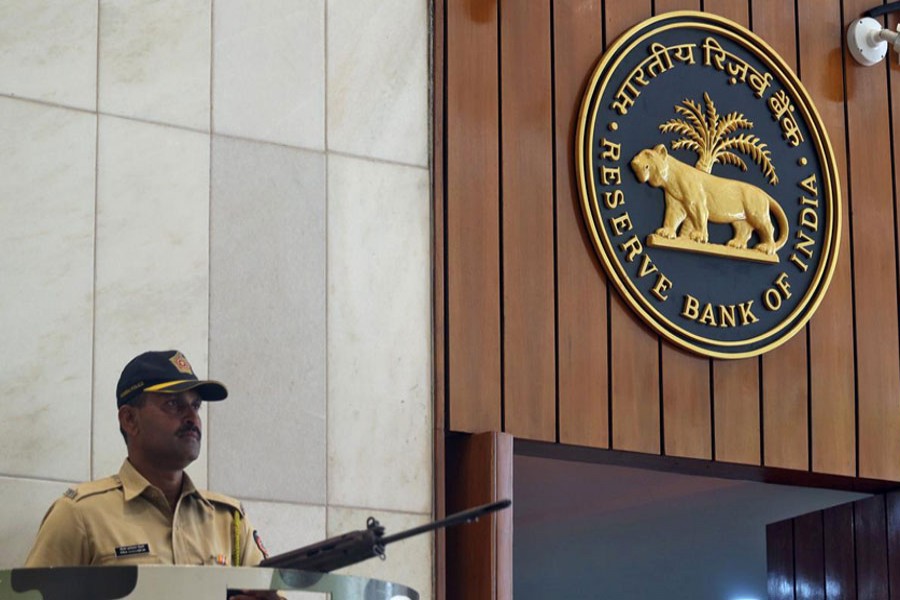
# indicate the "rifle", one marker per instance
pixel 351 548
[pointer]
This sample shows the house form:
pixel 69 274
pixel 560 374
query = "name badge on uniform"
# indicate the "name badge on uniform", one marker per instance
pixel 132 550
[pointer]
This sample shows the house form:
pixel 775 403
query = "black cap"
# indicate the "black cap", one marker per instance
pixel 165 372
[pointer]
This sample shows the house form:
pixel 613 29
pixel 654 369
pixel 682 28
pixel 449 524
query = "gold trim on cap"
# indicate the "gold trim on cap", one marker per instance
pixel 161 386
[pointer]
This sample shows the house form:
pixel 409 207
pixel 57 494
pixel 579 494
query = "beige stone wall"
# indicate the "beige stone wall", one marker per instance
pixel 247 182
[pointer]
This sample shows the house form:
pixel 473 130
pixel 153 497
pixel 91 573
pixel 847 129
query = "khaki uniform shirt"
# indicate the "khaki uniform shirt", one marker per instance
pixel 124 520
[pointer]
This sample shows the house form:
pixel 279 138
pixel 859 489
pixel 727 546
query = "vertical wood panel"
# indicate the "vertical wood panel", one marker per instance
pixel 785 405
pixel 439 273
pixel 840 553
pixel 687 426
pixel 736 10
pixel 634 364
pixel 874 260
pixel 735 382
pixel 502 522
pixel 581 282
pixel 529 366
pixel 784 369
pixel 479 555
pixel 736 391
pixel 664 6
pixel 780 560
pixel 832 386
pixel 473 268
pixel 809 557
pixel 687 422
pixel 892 503
pixel 634 367
pixel 893 21
pixel 438 286
pixel 871 548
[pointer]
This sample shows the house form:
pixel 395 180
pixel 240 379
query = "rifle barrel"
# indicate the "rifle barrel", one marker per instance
pixel 466 516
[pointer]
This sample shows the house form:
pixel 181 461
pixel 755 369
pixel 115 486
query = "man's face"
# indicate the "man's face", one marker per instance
pixel 168 429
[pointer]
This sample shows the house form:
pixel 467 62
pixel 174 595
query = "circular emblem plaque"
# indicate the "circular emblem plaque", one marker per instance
pixel 708 185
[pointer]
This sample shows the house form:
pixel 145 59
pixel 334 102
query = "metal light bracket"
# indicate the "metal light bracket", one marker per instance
pixel 868 41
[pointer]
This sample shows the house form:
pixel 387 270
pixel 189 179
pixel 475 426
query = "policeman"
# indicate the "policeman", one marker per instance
pixel 151 512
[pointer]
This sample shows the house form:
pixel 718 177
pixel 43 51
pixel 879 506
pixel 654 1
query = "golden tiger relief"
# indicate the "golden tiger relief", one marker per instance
pixel 694 198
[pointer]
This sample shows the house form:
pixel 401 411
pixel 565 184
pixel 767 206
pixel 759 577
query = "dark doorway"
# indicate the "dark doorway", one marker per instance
pixel 601 531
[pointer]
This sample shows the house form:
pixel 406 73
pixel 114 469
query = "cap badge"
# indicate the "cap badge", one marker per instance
pixel 181 363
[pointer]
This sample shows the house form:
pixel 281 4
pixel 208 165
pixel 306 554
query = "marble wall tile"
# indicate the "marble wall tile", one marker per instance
pixel 48 51
pixel 284 527
pixel 378 79
pixel 46 298
pixel 409 561
pixel 379 336
pixel 267 321
pixel 155 61
pixel 269 71
pixel 24 504
pixel 152 290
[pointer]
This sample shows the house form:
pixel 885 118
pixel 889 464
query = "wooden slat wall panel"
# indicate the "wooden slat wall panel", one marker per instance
pixel 529 365
pixel 473 264
pixel 545 346
pixel 844 552
pixel 874 260
pixel 892 507
pixel 437 124
pixel 785 389
pixel 736 406
pixel 687 424
pixel 809 557
pixel 664 6
pixel 438 287
pixel 634 360
pixel 634 368
pixel 736 10
pixel 871 547
pixel 685 376
pixel 581 282
pixel 479 471
pixel 816 556
pixel 780 560
pixel 893 22
pixel 832 373
pixel 840 553
pixel 735 383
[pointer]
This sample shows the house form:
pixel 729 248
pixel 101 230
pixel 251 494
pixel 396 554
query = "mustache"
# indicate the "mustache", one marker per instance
pixel 189 428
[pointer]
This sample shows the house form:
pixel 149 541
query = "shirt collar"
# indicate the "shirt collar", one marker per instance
pixel 134 484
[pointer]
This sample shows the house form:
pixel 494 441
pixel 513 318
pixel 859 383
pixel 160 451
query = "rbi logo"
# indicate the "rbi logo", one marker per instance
pixel 708 185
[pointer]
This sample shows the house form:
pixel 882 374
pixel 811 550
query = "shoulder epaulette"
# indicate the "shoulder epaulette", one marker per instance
pixel 90 488
pixel 223 499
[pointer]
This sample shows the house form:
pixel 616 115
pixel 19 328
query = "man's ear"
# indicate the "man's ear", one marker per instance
pixel 128 420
